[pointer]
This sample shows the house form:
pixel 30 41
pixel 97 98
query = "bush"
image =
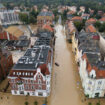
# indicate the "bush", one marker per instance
pixel 26 103
pixel 89 103
pixel 35 103
pixel 98 103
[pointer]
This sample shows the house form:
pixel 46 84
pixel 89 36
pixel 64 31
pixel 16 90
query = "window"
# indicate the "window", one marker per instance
pixel 39 81
pixel 32 81
pixel 31 74
pixel 15 92
pixel 23 73
pixel 90 82
pixel 13 73
pixel 32 87
pixel 26 87
pixel 40 87
pixel 99 82
pixel 28 73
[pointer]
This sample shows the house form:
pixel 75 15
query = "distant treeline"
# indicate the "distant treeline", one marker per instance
pixel 94 4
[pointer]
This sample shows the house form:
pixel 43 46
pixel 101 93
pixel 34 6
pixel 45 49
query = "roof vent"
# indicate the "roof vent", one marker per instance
pixel 33 54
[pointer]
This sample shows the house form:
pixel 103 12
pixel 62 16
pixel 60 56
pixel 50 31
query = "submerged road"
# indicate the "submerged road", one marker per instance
pixel 64 89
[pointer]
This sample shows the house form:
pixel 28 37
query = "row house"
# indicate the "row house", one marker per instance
pixel 82 39
pixel 31 75
pixel 92 73
pixel 70 30
pixel 45 17
pixel 6 63
pixel 9 17
pixel 91 63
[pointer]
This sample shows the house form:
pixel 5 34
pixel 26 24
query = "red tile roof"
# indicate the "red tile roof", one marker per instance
pixel 76 18
pixel 91 20
pixel 48 27
pixel 102 19
pixel 90 28
pixel 71 27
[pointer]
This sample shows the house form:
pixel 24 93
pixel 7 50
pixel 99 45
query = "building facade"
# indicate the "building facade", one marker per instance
pixel 9 17
pixel 6 63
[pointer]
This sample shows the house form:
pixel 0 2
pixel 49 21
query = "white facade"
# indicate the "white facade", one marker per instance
pixel 9 17
pixel 92 87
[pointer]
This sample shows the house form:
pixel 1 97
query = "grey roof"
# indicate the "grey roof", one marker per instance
pixel 43 41
pixel 33 58
pixel 95 60
pixel 45 13
pixel 22 43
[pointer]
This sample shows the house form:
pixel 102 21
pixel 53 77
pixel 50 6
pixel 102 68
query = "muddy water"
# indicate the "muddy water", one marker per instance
pixel 64 89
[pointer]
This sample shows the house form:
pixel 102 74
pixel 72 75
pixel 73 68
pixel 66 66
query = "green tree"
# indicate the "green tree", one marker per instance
pixel 24 18
pixel 26 103
pixel 97 24
pixel 35 103
pixel 102 28
pixel 79 25
pixel 98 103
pixel 89 103
pixel 32 19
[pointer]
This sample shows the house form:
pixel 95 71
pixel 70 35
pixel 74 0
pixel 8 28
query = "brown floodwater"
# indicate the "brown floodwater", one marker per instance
pixel 64 87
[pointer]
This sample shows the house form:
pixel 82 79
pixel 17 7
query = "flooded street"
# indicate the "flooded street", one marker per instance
pixel 64 89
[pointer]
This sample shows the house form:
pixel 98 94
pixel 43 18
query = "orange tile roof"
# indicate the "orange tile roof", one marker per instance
pixel 90 28
pixel 71 27
pixel 91 20
pixel 76 18
pixel 48 27
pixel 102 19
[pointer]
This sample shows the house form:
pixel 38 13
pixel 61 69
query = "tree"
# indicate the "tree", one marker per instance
pixel 35 103
pixel 79 25
pixel 97 24
pixel 98 103
pixel 102 28
pixel 45 101
pixel 24 18
pixel 89 103
pixel 32 19
pixel 26 103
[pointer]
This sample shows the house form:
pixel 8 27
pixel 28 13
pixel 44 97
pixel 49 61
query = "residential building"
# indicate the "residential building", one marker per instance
pixel 70 30
pixel 76 19
pixel 90 21
pixel 45 17
pixel 92 73
pixel 31 75
pixel 8 17
pixel 85 16
pixel 6 63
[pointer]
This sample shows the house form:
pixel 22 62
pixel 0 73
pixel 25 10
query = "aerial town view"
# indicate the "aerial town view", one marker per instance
pixel 52 52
